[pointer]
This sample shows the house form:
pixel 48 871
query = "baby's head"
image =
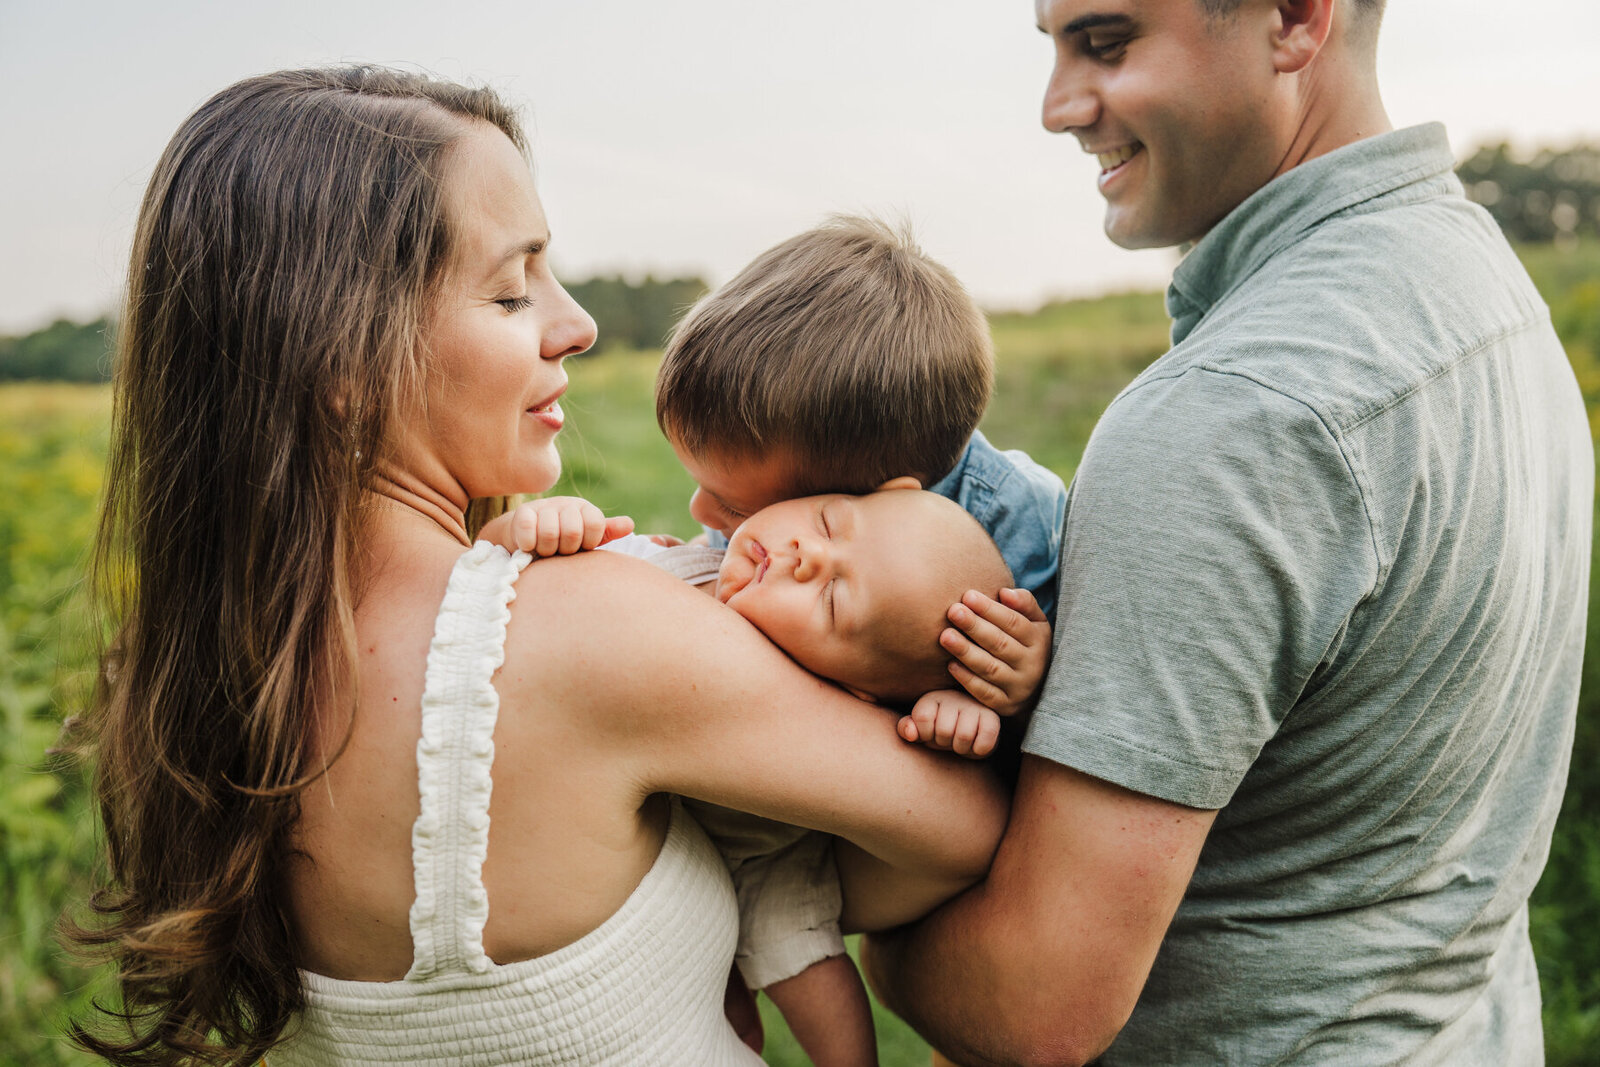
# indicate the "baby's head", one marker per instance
pixel 855 588
pixel 835 362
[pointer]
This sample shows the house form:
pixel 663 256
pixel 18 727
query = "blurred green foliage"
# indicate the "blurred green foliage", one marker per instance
pixel 633 314
pixel 1553 195
pixel 63 351
pixel 1057 369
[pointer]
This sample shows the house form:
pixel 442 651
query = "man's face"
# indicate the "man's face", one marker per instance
pixel 1186 114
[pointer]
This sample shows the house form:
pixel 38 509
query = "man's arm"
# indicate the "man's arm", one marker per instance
pixel 1042 962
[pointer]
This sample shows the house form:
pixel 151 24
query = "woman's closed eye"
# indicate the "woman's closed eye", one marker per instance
pixel 516 303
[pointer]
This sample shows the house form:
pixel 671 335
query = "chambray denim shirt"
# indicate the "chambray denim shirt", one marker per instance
pixel 1020 504
pixel 1325 568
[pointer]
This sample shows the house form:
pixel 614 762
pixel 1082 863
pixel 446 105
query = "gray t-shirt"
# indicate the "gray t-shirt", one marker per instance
pixel 1324 567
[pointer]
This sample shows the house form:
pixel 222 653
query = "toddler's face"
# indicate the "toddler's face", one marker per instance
pixel 728 491
pixel 819 575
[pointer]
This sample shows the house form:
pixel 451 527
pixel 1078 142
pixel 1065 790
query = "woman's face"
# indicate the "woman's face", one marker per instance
pixel 500 327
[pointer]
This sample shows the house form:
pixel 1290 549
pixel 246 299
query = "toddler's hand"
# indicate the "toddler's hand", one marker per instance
pixel 1001 648
pixel 555 526
pixel 952 721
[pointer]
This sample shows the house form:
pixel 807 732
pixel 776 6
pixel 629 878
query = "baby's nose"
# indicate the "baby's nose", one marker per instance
pixel 811 559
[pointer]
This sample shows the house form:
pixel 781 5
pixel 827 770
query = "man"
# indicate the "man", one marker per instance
pixel 1295 767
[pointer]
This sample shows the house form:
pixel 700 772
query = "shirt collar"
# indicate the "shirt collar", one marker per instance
pixel 1281 212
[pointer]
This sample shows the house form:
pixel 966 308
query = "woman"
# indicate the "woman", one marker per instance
pixel 342 344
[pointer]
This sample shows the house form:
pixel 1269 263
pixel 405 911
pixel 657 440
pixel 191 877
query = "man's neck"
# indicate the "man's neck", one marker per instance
pixel 1339 105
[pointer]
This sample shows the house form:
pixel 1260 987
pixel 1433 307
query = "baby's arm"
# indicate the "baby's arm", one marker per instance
pixel 827 1010
pixel 554 526
pixel 1001 648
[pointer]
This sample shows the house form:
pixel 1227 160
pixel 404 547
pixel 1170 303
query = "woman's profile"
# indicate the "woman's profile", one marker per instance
pixel 371 793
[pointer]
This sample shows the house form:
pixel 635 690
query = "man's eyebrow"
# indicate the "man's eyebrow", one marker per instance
pixel 1092 22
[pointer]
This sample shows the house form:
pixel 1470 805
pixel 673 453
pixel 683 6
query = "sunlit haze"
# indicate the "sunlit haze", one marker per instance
pixel 684 137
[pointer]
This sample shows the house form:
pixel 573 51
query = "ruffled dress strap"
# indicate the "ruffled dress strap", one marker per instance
pixel 459 706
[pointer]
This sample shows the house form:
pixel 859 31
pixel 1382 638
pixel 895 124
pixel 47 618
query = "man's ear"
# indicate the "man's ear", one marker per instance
pixel 1303 28
pixel 905 481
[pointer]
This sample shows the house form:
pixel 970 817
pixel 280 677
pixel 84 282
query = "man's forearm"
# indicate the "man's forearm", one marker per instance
pixel 1043 961
pixel 958 981
pixel 898 968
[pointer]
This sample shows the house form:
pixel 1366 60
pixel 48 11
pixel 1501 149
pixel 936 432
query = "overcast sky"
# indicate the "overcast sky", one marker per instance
pixel 684 136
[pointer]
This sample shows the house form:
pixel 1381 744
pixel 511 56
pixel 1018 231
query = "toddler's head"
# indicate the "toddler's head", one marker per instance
pixel 835 362
pixel 855 588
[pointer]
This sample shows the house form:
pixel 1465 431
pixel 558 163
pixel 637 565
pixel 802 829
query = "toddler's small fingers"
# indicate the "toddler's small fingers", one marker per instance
pixel 907 728
pixel 1024 603
pixel 982 690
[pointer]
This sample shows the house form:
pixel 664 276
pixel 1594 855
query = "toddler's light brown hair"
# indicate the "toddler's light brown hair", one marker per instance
pixel 845 346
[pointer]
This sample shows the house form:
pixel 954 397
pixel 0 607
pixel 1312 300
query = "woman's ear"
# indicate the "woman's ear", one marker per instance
pixel 905 481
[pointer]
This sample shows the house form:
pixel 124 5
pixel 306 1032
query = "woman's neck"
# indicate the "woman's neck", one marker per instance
pixel 397 496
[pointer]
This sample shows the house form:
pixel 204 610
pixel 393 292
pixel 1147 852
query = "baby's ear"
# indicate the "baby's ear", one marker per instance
pixel 905 481
pixel 858 694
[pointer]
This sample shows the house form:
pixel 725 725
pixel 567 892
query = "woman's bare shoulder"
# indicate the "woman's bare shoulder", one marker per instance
pixel 605 626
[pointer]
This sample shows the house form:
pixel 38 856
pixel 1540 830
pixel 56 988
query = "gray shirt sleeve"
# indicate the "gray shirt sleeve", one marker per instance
pixel 1215 546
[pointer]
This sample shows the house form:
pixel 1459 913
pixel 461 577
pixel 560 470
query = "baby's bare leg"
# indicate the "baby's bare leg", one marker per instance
pixel 826 1007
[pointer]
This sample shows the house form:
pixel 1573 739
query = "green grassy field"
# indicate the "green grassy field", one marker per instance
pixel 1057 371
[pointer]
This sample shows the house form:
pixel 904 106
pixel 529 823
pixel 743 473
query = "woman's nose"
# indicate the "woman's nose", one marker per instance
pixel 570 330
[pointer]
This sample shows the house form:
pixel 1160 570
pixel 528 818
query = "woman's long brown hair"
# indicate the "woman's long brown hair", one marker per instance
pixel 284 261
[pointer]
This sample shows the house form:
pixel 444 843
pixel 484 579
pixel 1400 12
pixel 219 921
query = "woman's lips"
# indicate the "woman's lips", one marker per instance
pixel 549 412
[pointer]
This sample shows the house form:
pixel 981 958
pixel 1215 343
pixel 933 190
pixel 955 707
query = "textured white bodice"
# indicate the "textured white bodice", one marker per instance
pixel 645 987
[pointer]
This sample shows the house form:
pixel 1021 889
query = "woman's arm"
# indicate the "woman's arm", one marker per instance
pixel 684 696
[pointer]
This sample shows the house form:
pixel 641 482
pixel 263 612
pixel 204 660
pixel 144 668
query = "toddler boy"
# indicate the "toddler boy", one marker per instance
pixel 838 361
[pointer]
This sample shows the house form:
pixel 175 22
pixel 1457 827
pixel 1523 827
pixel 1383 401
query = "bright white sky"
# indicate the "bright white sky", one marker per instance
pixel 686 136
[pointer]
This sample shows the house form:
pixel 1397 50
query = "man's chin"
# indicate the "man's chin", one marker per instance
pixel 1129 233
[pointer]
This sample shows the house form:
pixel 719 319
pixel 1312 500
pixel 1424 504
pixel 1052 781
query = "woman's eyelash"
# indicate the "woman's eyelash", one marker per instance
pixel 516 303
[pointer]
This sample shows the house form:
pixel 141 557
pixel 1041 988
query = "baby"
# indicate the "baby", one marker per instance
pixel 855 589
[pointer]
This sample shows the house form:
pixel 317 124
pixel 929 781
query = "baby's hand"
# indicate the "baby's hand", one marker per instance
pixel 555 526
pixel 950 720
pixel 1001 648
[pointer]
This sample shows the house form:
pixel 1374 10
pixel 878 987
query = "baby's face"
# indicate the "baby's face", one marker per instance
pixel 819 574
